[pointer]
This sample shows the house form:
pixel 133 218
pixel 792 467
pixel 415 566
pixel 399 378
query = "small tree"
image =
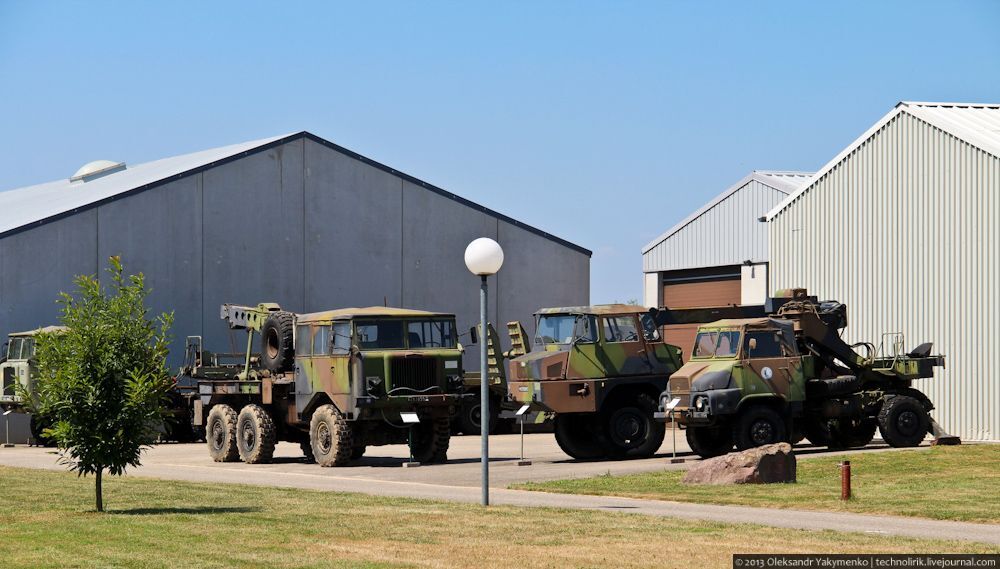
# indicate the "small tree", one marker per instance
pixel 103 382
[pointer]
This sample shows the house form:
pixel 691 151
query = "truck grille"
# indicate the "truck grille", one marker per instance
pixel 413 374
pixel 8 382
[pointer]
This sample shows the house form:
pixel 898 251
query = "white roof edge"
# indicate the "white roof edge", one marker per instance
pixel 762 176
pixel 902 106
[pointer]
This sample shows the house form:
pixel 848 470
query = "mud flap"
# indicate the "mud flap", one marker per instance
pixel 941 437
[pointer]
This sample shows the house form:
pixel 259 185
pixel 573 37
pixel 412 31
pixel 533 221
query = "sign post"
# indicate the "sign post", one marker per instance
pixel 673 427
pixel 6 420
pixel 520 419
pixel 410 419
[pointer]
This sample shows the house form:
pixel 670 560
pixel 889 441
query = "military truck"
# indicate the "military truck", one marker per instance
pixel 18 371
pixel 600 369
pixel 335 382
pixel 788 375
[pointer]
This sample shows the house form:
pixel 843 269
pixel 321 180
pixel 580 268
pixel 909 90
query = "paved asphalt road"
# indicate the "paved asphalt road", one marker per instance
pixel 380 472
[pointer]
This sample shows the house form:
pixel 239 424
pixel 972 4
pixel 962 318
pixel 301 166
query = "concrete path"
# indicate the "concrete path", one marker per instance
pixel 379 473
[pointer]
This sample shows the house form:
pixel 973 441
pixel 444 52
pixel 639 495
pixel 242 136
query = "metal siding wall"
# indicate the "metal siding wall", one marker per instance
pixel 727 234
pixel 904 231
pixel 40 263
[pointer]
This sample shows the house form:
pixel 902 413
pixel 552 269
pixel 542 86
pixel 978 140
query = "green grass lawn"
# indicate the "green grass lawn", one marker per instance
pixel 944 483
pixel 48 520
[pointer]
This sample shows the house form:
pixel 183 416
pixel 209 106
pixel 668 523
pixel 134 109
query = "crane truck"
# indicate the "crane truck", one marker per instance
pixel 335 382
pixel 785 373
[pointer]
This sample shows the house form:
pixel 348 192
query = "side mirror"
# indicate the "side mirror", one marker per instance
pixel 752 344
pixel 474 335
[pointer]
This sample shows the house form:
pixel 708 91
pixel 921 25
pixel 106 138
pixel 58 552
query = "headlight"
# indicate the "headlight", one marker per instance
pixel 700 403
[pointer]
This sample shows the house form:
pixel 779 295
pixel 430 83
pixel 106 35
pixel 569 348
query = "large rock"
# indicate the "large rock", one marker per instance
pixel 761 465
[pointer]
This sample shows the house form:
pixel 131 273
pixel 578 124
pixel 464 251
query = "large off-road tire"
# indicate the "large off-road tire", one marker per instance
pixel 469 415
pixel 903 421
pixel 331 437
pixel 581 435
pixel 851 433
pixel 358 451
pixel 817 431
pixel 37 425
pixel 632 432
pixel 220 433
pixel 429 440
pixel 307 450
pixel 255 435
pixel 823 388
pixel 277 349
pixel 758 425
pixel 708 442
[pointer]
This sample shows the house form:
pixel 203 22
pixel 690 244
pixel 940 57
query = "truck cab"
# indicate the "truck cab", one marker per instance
pixel 736 362
pixel 18 366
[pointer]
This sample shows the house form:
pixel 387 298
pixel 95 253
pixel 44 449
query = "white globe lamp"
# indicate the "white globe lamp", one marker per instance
pixel 484 256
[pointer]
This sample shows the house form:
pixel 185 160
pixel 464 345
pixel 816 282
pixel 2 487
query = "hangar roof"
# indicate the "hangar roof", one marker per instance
pixel 31 206
pixel 976 124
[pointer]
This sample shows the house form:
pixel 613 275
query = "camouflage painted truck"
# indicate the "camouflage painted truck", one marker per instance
pixel 600 369
pixel 788 375
pixel 335 382
pixel 502 407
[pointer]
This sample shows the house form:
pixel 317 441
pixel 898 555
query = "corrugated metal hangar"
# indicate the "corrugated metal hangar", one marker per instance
pixel 293 219
pixel 718 255
pixel 902 226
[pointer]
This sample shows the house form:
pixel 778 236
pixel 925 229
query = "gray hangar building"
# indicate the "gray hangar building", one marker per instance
pixel 294 219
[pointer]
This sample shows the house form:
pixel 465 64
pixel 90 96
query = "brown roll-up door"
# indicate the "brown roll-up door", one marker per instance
pixel 679 291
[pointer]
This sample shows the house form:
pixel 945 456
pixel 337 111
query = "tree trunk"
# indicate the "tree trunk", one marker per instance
pixel 100 498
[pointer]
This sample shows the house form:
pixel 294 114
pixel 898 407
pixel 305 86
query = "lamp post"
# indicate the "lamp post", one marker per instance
pixel 484 257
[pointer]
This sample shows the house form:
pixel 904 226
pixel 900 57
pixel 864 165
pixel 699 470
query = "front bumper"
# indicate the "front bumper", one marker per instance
pixel 705 407
pixel 411 401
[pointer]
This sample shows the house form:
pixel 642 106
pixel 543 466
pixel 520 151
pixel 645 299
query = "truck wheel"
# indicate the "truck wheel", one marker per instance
pixel 307 450
pixel 758 425
pixel 255 435
pixel 469 416
pixel 430 440
pixel 852 433
pixel 707 442
pixel 330 436
pixel 817 431
pixel 903 421
pixel 632 431
pixel 579 435
pixel 37 425
pixel 221 434
pixel 277 350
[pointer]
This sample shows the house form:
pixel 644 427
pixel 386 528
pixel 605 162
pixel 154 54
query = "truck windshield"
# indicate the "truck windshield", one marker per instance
pixel 403 334
pixel 716 344
pixel 565 328
pixel 21 349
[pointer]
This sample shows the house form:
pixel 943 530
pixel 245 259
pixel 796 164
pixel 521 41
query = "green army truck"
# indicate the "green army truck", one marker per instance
pixel 788 375
pixel 600 370
pixel 335 382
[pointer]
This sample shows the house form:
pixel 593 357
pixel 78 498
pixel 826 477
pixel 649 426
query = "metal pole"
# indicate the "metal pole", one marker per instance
pixel 6 420
pixel 484 394
pixel 673 427
pixel 845 480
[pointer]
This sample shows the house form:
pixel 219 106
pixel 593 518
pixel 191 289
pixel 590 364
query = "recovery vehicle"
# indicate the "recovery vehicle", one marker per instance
pixel 335 382
pixel 502 407
pixel 785 373
pixel 600 369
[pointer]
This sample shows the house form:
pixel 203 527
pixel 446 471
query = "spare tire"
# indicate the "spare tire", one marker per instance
pixel 840 385
pixel 277 342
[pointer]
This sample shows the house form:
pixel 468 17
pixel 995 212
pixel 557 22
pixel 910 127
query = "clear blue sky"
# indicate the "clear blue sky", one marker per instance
pixel 603 123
